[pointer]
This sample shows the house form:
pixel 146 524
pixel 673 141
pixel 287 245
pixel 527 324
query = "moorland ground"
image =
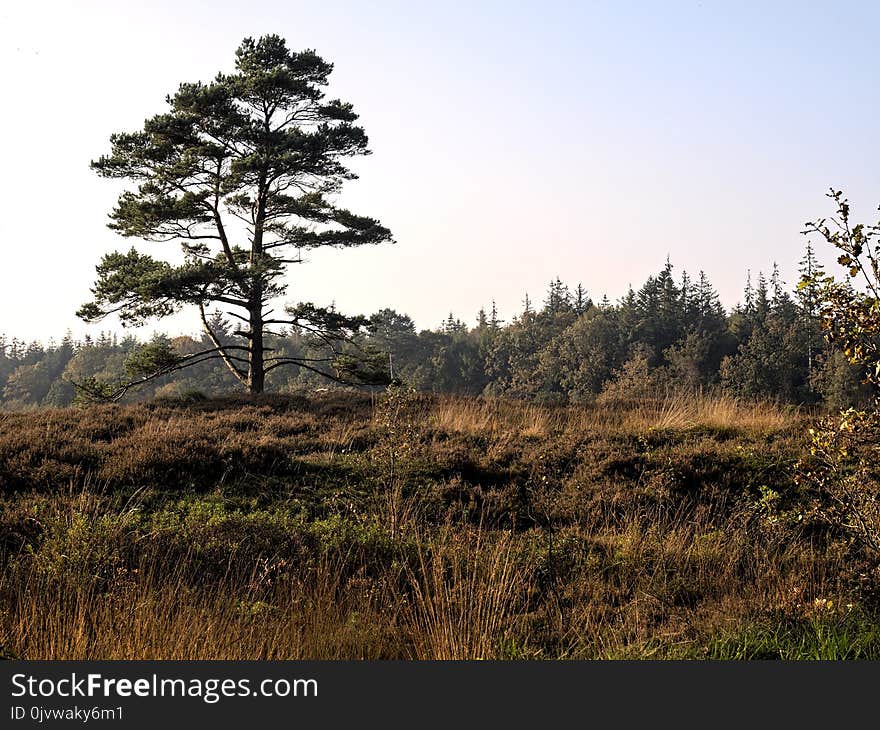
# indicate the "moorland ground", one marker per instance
pixel 346 525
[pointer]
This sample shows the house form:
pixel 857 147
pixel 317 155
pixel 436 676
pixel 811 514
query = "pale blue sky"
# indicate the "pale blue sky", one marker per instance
pixel 513 142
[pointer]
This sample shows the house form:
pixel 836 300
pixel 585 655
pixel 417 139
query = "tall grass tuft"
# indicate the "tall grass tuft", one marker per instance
pixel 465 596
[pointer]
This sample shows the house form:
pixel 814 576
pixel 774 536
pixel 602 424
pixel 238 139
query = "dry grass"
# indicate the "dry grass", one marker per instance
pixel 625 592
pixel 280 529
pixel 157 615
pixel 710 411
pixel 673 410
pixel 457 601
pixel 464 599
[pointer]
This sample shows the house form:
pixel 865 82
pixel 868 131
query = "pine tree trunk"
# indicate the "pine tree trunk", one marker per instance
pixel 256 371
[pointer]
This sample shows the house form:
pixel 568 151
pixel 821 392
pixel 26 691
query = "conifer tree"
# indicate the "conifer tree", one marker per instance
pixel 581 300
pixel 808 294
pixel 240 172
pixel 494 321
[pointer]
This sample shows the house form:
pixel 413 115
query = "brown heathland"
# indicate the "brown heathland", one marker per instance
pixel 402 526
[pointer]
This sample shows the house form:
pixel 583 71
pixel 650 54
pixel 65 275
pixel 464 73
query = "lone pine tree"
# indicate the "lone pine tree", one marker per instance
pixel 239 172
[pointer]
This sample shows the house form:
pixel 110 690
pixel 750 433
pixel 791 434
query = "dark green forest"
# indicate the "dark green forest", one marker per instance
pixel 671 333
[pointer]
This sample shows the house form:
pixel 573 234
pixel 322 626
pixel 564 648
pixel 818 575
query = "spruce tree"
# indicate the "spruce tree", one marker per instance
pixel 581 300
pixel 494 321
pixel 808 294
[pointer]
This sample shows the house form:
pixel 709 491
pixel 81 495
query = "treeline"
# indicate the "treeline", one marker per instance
pixel 670 333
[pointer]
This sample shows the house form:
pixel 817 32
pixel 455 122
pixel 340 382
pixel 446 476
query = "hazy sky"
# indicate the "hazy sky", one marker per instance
pixel 512 142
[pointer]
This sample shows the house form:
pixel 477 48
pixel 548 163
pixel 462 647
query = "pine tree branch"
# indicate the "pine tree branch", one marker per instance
pixel 234 369
pixel 185 362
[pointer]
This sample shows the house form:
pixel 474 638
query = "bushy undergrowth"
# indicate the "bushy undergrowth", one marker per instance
pixel 352 526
